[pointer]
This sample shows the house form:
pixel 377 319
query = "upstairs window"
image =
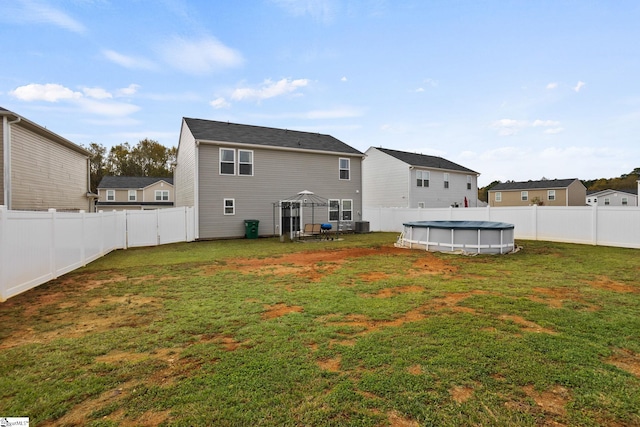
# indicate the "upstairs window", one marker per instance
pixel 498 196
pixel 524 196
pixel 132 195
pixel 227 161
pixel 162 195
pixel 422 178
pixel 468 182
pixel 345 167
pixel 551 195
pixel 446 180
pixel 111 195
pixel 625 201
pixel 607 202
pixel 245 162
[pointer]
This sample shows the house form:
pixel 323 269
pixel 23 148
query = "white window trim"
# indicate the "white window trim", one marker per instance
pixel 524 196
pixel 469 182
pixel 329 209
pixel 161 193
pixel 233 206
pixel 498 196
pixel 425 178
pixel 111 195
pixel 551 195
pixel 340 169
pixel 252 163
pixel 130 193
pixel 220 162
pixel 446 180
pixel 347 210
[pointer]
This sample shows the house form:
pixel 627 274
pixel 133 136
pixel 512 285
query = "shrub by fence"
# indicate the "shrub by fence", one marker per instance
pixel 593 225
pixel 36 247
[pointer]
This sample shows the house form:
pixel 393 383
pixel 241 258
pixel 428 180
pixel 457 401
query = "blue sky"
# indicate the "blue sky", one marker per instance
pixel 515 90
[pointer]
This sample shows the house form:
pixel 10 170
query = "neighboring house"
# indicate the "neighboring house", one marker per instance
pixel 392 178
pixel 233 172
pixel 135 193
pixel 41 170
pixel 551 192
pixel 613 197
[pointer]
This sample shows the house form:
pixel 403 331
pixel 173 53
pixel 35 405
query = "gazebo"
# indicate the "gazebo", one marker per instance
pixel 288 212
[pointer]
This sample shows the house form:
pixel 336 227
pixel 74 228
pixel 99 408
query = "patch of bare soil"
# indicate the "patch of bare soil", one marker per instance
pixel 558 297
pixel 603 282
pixel 415 369
pixel 279 310
pixel 331 365
pixel 626 360
pixel 552 401
pixel 397 420
pixel 431 264
pixel 527 325
pixel 373 276
pixel 461 394
pixel 389 292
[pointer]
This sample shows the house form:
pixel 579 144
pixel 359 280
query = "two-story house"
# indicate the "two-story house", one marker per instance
pixel 392 178
pixel 231 173
pixel 549 192
pixel 41 170
pixel 135 193
pixel 610 197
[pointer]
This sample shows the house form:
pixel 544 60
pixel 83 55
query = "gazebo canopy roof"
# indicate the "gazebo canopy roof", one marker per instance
pixel 305 198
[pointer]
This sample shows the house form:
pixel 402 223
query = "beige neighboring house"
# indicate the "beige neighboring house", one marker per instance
pixel 135 193
pixel 39 169
pixel 551 192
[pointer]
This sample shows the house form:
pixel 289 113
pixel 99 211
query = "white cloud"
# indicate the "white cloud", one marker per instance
pixel 219 103
pixel 269 89
pixel 38 12
pixel 343 79
pixel 96 93
pixel 320 10
pixel 420 89
pixel 128 91
pixel 199 56
pixel 49 92
pixel 509 127
pixel 579 86
pixel 92 100
pixel 128 61
pixel 552 85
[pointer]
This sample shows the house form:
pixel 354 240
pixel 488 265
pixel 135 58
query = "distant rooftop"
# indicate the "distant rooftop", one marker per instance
pixel 426 161
pixel 531 185
pixel 131 181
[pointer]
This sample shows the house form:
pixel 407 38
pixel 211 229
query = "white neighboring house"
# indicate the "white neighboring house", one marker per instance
pixel 611 197
pixel 392 178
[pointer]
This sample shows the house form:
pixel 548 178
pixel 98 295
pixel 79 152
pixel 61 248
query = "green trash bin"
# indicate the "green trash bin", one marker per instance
pixel 251 228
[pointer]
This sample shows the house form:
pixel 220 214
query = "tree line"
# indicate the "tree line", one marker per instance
pixel 146 158
pixel 626 181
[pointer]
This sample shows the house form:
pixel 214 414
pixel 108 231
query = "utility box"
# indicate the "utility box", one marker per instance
pixel 362 227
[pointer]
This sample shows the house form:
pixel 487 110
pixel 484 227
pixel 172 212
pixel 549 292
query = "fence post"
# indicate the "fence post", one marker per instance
pixel 83 247
pixel 594 224
pixel 52 245
pixel 3 251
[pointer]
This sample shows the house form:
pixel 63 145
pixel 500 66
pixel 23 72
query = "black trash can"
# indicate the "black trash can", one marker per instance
pixel 251 228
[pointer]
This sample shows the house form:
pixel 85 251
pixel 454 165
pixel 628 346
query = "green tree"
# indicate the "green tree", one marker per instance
pixel 98 164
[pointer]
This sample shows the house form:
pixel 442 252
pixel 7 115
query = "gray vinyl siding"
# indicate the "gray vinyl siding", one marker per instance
pixel 436 196
pixel 46 174
pixel 278 175
pixel 185 171
pixel 384 180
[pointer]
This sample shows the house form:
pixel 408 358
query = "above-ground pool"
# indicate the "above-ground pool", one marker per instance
pixel 482 237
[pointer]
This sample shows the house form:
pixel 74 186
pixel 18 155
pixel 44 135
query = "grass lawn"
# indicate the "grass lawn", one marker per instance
pixel 345 333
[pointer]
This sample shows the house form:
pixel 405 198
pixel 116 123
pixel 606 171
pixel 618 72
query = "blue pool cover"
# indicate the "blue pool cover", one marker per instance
pixel 461 225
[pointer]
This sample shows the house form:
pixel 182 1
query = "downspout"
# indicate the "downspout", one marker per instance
pixel 7 158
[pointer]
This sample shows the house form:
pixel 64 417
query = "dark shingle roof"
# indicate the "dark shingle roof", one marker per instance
pixel 210 130
pixel 131 181
pixel 423 160
pixel 532 185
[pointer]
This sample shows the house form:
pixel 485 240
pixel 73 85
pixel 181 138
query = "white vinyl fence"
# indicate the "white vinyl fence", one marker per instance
pixel 36 247
pixel 593 225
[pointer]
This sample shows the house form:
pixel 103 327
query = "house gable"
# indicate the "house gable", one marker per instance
pixel 554 192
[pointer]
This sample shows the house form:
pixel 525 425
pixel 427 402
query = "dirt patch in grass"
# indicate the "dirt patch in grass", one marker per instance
pixel 527 325
pixel 607 284
pixel 461 394
pixel 431 264
pixel 626 360
pixel 553 401
pixel 415 369
pixel 389 292
pixel 331 365
pixel 279 310
pixel 397 420
pixel 558 297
